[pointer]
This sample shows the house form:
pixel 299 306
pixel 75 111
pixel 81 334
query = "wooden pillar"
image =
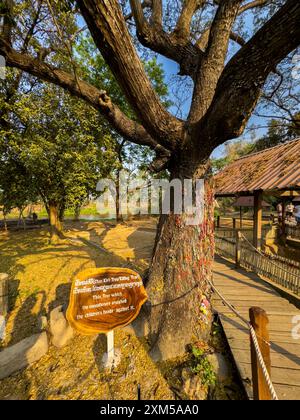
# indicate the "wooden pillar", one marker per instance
pixel 3 294
pixel 234 223
pixel 257 227
pixel 238 238
pixel 241 218
pixel 283 215
pixel 259 321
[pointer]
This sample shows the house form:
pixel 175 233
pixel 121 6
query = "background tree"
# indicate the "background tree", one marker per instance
pixel 227 85
pixel 16 188
pixel 94 70
pixel 57 149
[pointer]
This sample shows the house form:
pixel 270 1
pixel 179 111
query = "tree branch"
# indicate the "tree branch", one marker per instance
pixel 183 26
pixel 108 28
pixel 173 46
pixel 146 4
pixel 242 80
pixel 237 38
pixel 7 7
pixel 138 14
pixel 126 127
pixel 14 86
pixel 212 62
pixel 157 13
pixel 203 40
pixel 252 5
pixel 30 32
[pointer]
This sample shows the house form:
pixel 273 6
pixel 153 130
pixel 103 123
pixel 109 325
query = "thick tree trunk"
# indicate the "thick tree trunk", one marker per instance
pixel 178 289
pixel 61 214
pixel 22 218
pixel 77 213
pixel 56 228
pixel 5 222
pixel 119 217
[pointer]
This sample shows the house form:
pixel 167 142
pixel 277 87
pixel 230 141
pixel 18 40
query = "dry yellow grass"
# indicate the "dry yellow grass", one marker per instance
pixel 41 276
pixel 41 273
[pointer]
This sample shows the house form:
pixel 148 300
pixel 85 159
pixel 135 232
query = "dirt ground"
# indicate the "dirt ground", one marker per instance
pixel 41 276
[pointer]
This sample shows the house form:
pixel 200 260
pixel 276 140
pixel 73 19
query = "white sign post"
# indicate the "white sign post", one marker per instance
pixel 112 358
pixel 110 347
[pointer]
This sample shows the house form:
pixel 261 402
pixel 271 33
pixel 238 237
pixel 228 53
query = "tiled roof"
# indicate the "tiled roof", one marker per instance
pixel 277 168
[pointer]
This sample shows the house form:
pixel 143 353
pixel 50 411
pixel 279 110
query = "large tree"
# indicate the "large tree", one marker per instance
pixel 55 149
pixel 129 156
pixel 227 85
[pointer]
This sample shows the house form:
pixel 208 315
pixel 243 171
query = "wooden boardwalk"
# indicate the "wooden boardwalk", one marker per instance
pixel 243 290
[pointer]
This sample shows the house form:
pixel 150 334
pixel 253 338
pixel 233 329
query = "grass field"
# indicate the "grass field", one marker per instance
pixel 87 210
pixel 41 275
pixel 40 280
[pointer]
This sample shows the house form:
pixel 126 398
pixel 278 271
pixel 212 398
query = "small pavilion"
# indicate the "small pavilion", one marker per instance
pixel 272 172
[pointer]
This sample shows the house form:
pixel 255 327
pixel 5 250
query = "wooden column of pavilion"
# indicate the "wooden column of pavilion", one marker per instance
pixel 257 222
pixel 272 172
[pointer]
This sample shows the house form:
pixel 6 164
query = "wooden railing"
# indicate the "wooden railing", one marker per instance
pixel 225 247
pixel 281 271
pixel 230 233
pixel 293 232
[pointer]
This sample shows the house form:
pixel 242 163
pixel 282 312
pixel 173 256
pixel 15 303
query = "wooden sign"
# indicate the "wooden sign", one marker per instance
pixel 104 299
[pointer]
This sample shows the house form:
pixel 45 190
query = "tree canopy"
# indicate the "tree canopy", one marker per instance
pixel 56 149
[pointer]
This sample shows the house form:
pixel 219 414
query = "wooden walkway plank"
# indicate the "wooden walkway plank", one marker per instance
pixel 244 290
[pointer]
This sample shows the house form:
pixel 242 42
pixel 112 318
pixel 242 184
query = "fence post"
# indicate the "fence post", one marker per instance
pixel 3 294
pixel 234 223
pixel 259 321
pixel 238 238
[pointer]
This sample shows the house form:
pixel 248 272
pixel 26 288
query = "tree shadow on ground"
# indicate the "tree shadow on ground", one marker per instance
pixel 62 291
pixel 28 317
pixel 62 296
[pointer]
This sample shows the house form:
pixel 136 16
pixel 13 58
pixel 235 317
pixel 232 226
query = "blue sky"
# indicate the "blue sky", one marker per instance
pixel 171 68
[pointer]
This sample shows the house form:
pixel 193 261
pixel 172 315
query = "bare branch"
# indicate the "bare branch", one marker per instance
pixel 184 22
pixel 146 4
pixel 237 38
pixel 173 46
pixel 252 5
pixel 214 58
pixel 203 40
pixel 157 13
pixel 241 83
pixel 138 14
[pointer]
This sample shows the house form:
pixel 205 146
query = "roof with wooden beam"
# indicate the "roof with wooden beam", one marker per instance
pixel 248 202
pixel 271 170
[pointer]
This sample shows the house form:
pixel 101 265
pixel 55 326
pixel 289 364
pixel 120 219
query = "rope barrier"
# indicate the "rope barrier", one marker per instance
pixel 254 339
